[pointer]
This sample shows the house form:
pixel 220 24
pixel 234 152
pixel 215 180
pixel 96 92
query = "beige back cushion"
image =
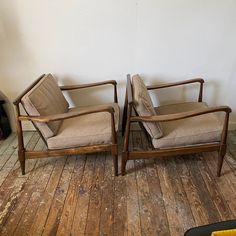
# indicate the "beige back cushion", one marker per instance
pixel 45 98
pixel 144 107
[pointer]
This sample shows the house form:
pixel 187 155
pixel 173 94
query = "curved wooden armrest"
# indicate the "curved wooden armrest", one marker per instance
pixel 80 86
pixel 68 115
pixel 181 115
pixel 190 81
pixel 167 85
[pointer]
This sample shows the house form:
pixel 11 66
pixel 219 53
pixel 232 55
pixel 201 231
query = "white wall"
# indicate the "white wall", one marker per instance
pixel 82 41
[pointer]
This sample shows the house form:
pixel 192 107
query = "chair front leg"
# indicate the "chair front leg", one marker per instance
pixel 115 162
pixel 123 162
pixel 124 117
pixel 21 156
pixel 115 159
pixel 221 155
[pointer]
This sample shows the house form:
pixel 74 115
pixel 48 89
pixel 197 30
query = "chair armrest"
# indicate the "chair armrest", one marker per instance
pixel 191 81
pixel 167 85
pixel 68 115
pixel 81 86
pixel 181 115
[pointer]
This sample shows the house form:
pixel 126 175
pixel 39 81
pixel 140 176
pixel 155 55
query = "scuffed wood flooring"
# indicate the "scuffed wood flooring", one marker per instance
pixel 78 195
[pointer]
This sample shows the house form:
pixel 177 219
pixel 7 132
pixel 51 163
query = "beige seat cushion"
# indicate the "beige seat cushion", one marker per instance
pixel 85 130
pixel 45 98
pixel 144 107
pixel 191 131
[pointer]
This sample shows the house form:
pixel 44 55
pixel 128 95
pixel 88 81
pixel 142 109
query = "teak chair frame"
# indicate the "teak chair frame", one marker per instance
pixel 130 115
pixel 24 154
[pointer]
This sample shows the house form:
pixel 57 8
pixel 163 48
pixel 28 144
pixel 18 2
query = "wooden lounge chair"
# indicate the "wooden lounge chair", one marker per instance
pixel 175 129
pixel 65 130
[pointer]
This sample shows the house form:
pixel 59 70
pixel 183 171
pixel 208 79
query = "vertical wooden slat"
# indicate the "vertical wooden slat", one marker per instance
pixel 83 197
pixel 175 225
pixel 94 211
pixel 199 213
pixel 148 226
pixel 214 192
pixel 206 202
pixel 38 208
pixel 67 216
pixel 35 177
pixel 107 214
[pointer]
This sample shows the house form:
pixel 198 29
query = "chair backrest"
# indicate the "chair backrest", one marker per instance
pixel 144 106
pixel 45 98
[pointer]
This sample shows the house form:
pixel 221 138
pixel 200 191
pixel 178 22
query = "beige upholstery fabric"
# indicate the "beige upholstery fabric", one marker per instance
pixel 45 98
pixel 85 130
pixel 195 130
pixel 144 107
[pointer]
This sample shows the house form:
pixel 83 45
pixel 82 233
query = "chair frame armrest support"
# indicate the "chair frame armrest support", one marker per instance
pixel 64 116
pixel 129 90
pixel 184 82
pixel 82 86
pixel 129 116
pixel 184 115
pixel 181 115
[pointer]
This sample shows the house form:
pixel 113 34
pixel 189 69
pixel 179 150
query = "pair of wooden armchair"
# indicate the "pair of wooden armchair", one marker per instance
pixel 173 129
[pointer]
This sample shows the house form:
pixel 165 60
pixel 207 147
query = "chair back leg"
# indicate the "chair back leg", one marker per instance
pixel 21 156
pixel 123 162
pixel 115 162
pixel 21 149
pixel 221 155
pixel 125 153
pixel 114 152
pixel 124 117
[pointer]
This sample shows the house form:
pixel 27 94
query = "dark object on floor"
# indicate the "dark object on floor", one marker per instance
pixel 5 128
pixel 206 230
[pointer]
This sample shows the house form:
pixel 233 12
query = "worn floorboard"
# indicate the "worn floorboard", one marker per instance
pixel 79 195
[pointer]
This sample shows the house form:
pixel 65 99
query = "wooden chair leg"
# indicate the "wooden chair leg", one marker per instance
pixel 123 163
pixel 115 162
pixel 220 163
pixel 21 156
pixel 123 124
pixel 124 117
pixel 221 156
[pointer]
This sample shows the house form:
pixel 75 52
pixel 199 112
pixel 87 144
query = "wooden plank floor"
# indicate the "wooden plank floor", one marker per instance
pixel 78 195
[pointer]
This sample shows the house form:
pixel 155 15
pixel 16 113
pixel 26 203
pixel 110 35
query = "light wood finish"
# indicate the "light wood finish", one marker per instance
pixel 79 195
pixel 130 115
pixel 24 154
